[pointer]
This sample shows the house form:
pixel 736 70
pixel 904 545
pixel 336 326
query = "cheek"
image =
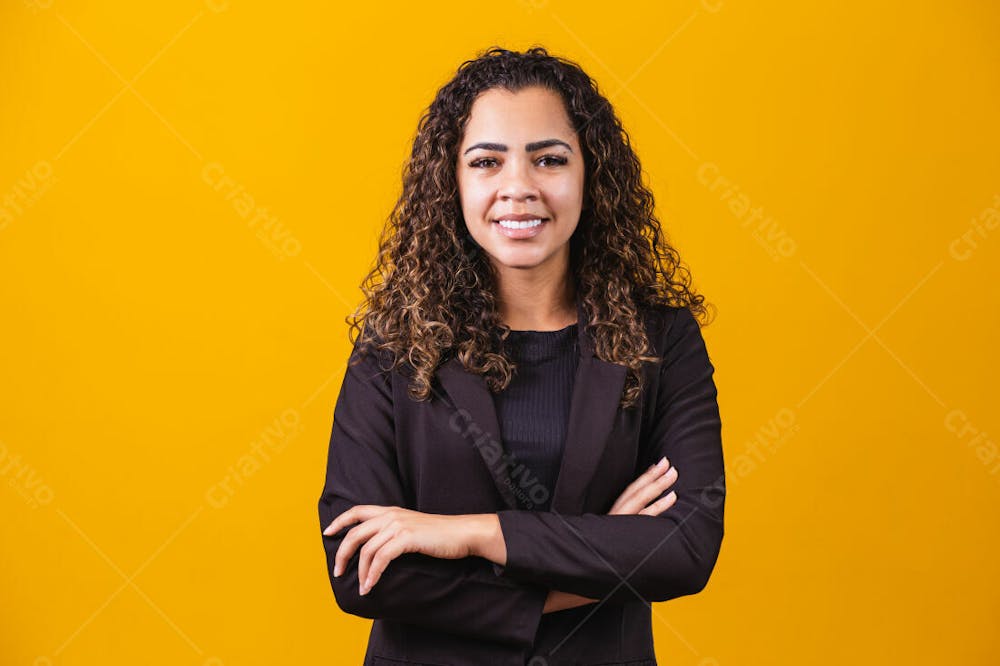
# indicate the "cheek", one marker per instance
pixel 568 193
pixel 475 199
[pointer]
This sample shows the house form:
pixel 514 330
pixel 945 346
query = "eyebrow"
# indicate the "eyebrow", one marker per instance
pixel 528 147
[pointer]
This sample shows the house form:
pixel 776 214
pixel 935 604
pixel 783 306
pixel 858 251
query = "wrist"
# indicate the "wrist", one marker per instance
pixel 486 538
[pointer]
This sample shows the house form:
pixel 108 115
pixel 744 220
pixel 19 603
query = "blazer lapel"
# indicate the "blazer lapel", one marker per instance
pixel 597 389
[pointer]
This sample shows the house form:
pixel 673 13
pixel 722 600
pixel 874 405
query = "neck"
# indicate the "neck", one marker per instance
pixel 537 302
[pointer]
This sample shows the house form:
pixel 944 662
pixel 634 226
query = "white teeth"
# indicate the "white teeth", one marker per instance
pixel 514 224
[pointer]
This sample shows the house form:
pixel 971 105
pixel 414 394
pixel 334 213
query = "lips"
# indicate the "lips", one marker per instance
pixel 521 217
pixel 520 230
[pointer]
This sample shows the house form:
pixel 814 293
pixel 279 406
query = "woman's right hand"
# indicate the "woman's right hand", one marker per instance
pixel 638 497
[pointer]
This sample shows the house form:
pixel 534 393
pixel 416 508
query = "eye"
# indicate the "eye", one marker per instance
pixel 548 160
pixel 556 160
pixel 479 162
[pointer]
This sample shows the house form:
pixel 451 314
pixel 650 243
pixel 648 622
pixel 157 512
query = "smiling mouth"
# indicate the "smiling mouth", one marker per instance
pixel 521 224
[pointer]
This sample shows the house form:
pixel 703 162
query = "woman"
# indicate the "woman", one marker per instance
pixel 528 382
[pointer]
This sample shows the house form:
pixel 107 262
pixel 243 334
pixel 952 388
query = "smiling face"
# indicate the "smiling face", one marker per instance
pixel 520 157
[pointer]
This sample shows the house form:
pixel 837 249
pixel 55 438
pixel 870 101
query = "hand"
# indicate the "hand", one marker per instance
pixel 633 500
pixel 389 531
pixel 636 498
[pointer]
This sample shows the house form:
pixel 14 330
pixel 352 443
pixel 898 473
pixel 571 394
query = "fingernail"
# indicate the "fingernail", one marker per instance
pixel 662 463
pixel 337 571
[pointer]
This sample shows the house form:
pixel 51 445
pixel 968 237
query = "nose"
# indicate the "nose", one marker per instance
pixel 516 182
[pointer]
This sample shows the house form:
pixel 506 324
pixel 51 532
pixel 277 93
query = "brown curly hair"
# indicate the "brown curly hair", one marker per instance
pixel 431 291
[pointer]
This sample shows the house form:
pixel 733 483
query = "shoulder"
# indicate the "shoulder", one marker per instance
pixel 368 359
pixel 667 324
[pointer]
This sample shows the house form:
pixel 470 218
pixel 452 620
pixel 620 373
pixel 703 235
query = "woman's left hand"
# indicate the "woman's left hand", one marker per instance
pixel 389 531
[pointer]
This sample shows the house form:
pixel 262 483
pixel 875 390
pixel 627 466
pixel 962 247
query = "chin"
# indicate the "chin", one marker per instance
pixel 518 260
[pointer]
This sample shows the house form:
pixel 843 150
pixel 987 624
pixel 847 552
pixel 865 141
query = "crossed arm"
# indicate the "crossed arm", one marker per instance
pixel 507 564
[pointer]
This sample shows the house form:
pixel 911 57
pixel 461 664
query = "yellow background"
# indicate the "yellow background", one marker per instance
pixel 170 358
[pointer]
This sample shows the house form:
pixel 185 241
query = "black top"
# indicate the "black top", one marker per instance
pixel 533 410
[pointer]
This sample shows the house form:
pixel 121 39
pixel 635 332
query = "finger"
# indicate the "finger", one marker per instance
pixel 355 536
pixel 628 496
pixel 652 474
pixel 661 466
pixel 660 505
pixel 355 514
pixel 656 488
pixel 651 491
pixel 371 547
pixel 338 523
pixel 386 554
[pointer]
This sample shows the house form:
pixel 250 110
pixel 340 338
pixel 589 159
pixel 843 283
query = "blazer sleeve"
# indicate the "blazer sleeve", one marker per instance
pixel 461 596
pixel 616 557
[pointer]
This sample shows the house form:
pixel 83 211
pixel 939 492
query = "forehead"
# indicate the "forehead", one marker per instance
pixel 520 117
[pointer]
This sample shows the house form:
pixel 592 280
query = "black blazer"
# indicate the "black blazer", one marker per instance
pixel 445 456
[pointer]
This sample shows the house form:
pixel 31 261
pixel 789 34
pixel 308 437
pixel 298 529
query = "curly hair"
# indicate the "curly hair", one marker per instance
pixel 431 292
